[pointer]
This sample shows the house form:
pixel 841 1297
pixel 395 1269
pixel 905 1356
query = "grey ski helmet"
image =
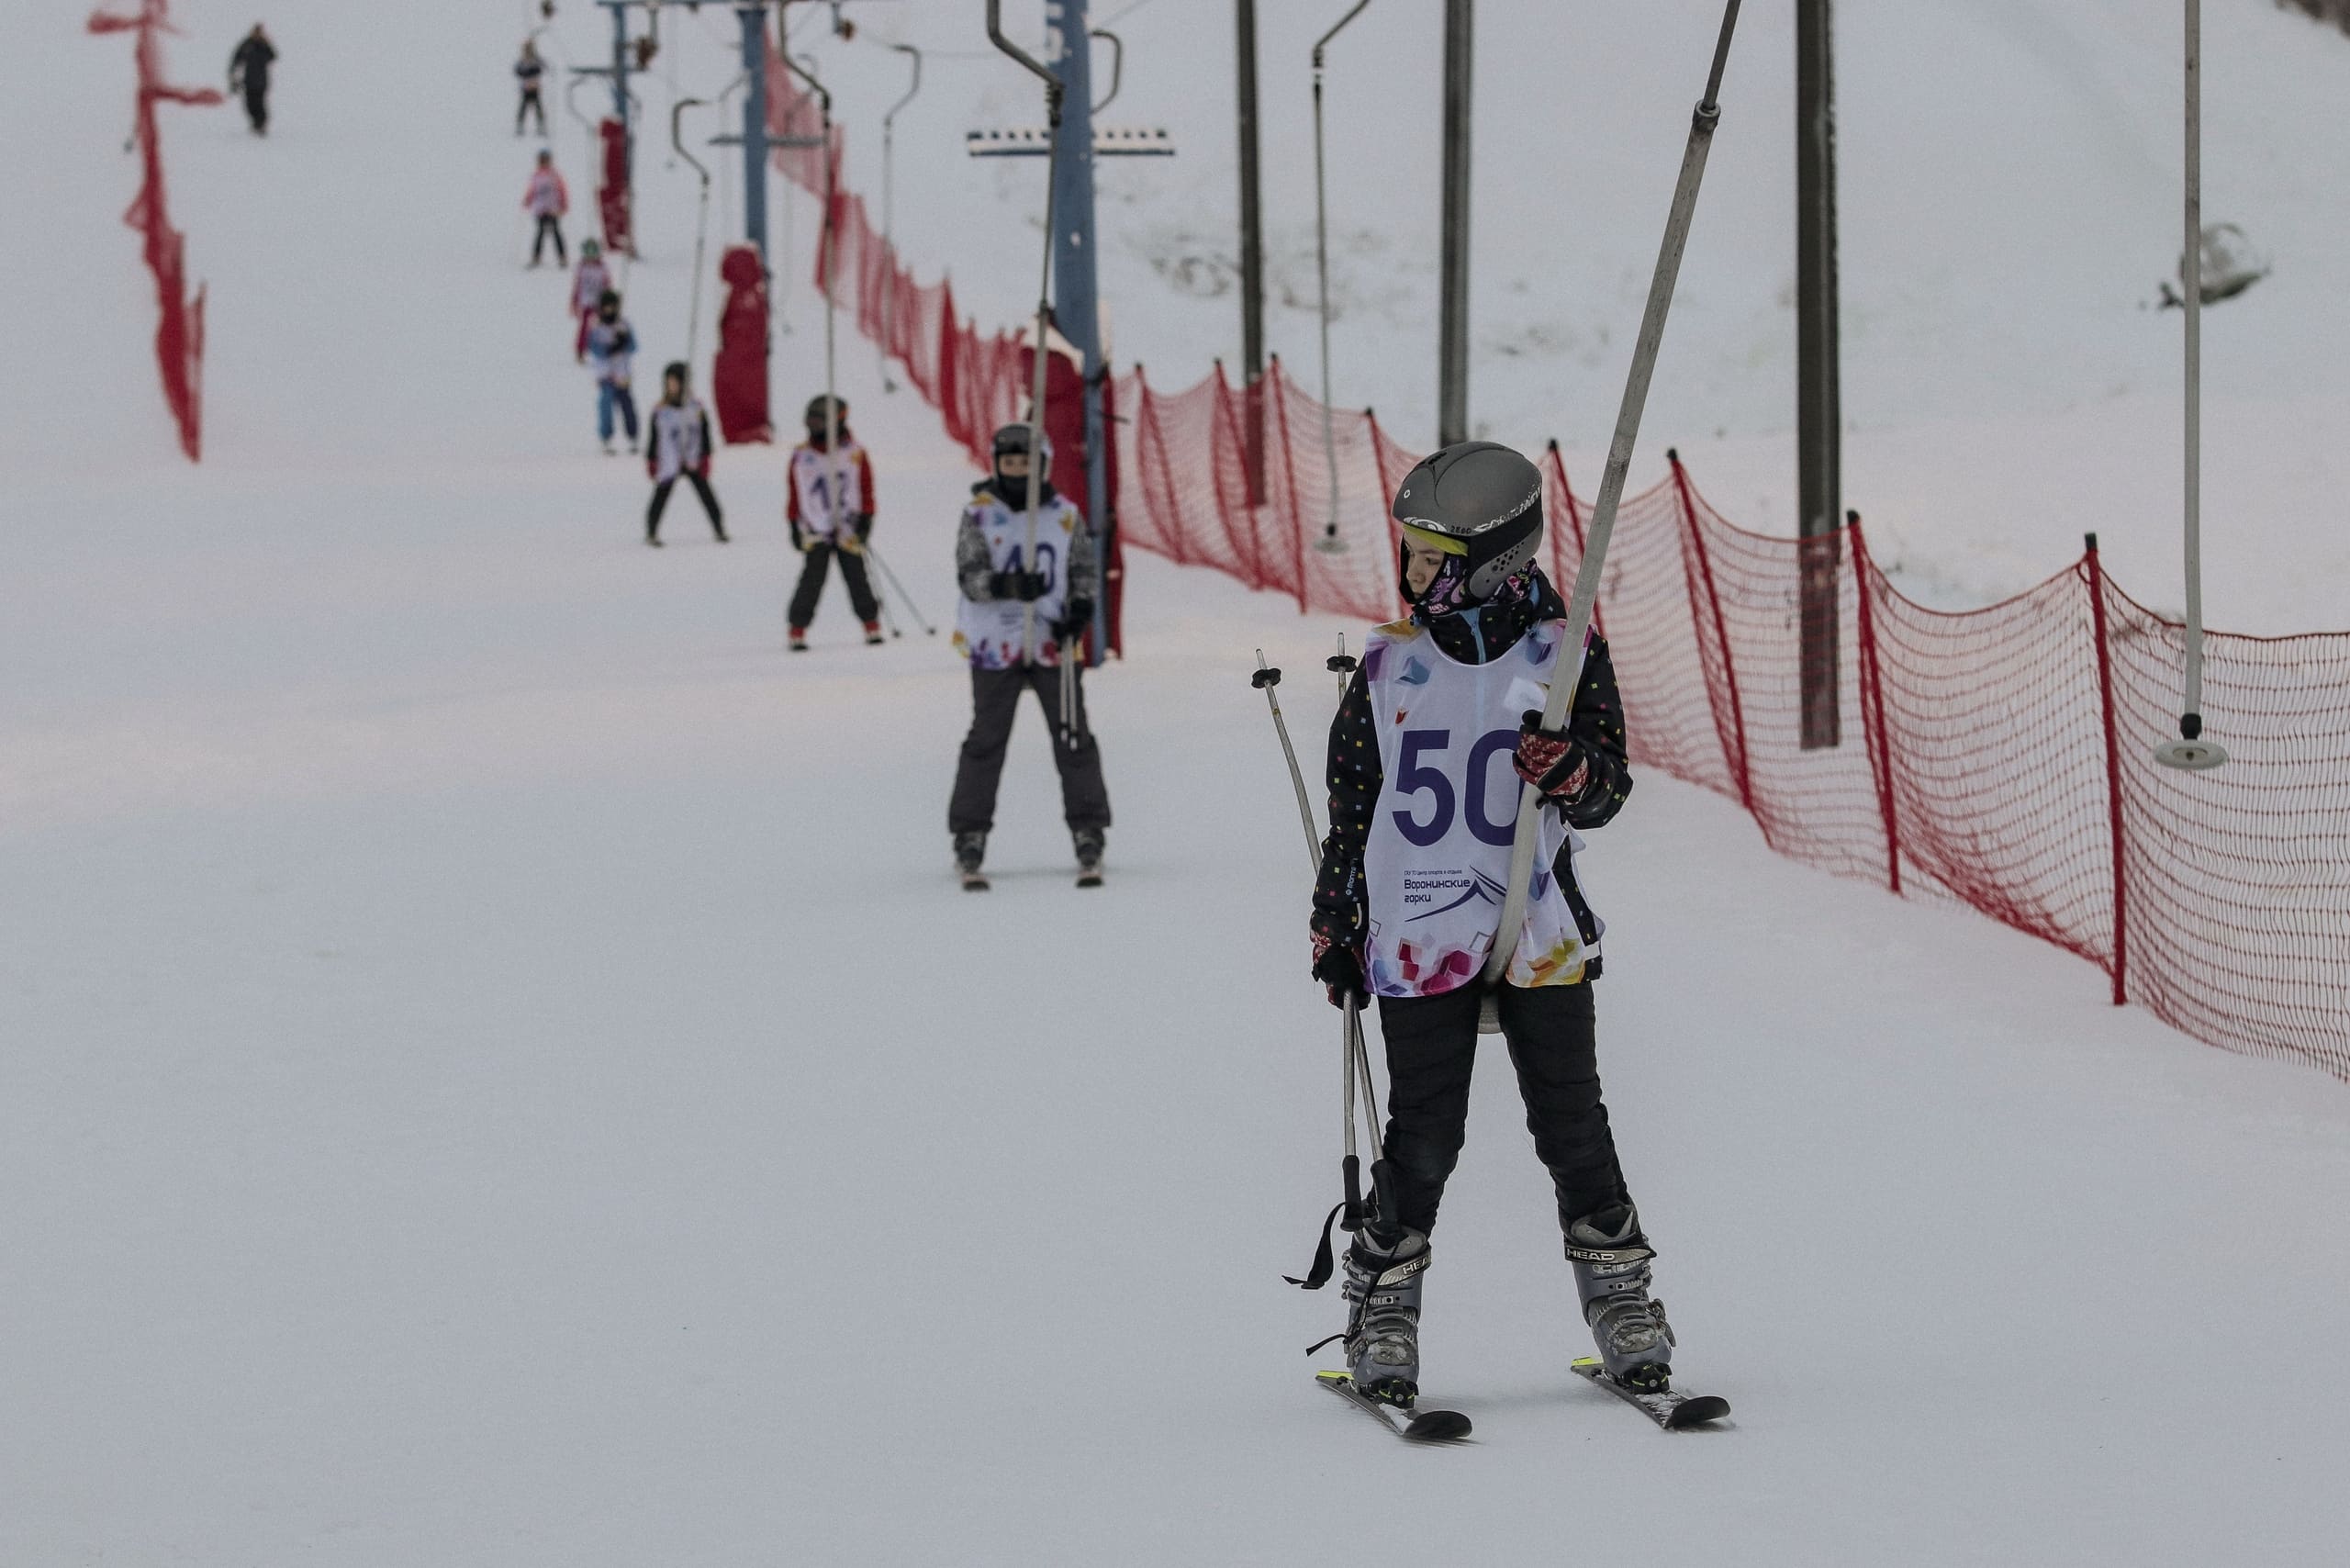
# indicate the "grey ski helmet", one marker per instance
pixel 591 248
pixel 1010 439
pixel 1481 500
pixel 815 416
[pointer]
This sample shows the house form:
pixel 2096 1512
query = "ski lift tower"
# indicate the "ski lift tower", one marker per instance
pixel 754 140
pixel 1076 293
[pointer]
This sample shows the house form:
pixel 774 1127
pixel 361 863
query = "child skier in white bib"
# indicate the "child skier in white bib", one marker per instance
pixel 1436 735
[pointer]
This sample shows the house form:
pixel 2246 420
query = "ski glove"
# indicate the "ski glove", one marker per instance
pixel 1026 587
pixel 1340 969
pixel 1076 622
pixel 861 524
pixel 1551 760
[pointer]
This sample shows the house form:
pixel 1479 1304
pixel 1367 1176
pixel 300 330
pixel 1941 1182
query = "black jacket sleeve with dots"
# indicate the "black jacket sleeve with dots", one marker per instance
pixel 1355 777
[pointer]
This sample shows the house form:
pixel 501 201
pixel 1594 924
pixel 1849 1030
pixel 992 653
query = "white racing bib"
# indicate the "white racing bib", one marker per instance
pixel 989 631
pixel 1438 862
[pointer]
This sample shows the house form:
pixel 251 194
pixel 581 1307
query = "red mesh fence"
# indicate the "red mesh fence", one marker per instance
pixel 179 329
pixel 2000 757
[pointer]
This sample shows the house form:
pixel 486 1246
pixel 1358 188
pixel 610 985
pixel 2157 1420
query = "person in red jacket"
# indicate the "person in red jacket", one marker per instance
pixel 546 199
pixel 676 446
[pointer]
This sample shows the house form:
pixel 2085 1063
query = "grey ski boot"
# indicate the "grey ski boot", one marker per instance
pixel 1611 1263
pixel 1383 1293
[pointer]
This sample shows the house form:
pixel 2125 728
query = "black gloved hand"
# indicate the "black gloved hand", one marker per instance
pixel 1339 967
pixel 1076 620
pixel 1031 587
pixel 861 524
pixel 1003 585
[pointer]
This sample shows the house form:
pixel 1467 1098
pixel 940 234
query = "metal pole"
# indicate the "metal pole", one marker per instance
pixel 1076 287
pixel 620 92
pixel 826 264
pixel 701 221
pixel 2193 255
pixel 1819 398
pixel 1252 252
pixel 1453 331
pixel 1330 543
pixel 889 241
pixel 1053 93
pixel 2191 750
pixel 1567 674
pixel 754 18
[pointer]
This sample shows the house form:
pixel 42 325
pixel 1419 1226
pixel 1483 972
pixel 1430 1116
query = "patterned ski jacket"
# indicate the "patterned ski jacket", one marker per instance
pixel 1357 779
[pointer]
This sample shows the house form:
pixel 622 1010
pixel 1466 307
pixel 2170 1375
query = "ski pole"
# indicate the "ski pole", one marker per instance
pixel 1265 679
pixel 899 589
pixel 1568 675
pixel 1354 1055
pixel 889 617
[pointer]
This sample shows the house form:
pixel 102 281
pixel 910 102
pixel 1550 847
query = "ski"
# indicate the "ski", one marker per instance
pixel 1412 1425
pixel 1668 1407
pixel 975 882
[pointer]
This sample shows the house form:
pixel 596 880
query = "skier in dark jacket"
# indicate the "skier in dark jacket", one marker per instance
pixel 1408 905
pixel 249 73
pixel 529 70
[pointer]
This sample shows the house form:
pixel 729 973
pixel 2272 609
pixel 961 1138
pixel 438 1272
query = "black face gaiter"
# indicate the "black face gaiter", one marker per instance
pixel 1011 491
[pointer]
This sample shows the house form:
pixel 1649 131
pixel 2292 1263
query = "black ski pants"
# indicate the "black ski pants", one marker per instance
pixel 995 702
pixel 257 104
pixel 549 228
pixel 1431 1047
pixel 818 562
pixel 661 504
pixel 528 107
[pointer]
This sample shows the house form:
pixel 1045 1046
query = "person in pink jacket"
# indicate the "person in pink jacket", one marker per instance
pixel 545 199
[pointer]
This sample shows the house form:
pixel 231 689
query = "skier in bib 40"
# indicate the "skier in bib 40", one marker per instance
pixel 1029 586
pixel 1437 731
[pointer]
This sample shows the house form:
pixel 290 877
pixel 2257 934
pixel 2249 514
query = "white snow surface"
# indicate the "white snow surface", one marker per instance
pixel 493 1071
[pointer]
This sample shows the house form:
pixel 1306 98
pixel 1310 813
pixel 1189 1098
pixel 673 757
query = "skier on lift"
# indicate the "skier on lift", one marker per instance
pixel 587 286
pixel 1019 620
pixel 529 72
pixel 546 199
pixel 830 507
pixel 676 446
pixel 249 73
pixel 1415 804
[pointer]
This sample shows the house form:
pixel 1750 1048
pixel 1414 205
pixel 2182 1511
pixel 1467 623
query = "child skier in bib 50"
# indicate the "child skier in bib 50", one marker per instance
pixel 1029 584
pixel 831 511
pixel 1437 731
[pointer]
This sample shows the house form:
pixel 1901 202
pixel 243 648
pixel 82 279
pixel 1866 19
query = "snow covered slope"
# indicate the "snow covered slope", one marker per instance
pixel 491 1070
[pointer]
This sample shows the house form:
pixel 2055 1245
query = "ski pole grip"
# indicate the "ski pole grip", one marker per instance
pixel 1352 1166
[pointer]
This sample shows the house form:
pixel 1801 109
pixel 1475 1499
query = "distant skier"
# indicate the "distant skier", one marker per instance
pixel 546 198
pixel 587 286
pixel 528 72
pixel 249 74
pixel 831 511
pixel 1020 614
pixel 1416 804
pixel 612 346
pixel 676 444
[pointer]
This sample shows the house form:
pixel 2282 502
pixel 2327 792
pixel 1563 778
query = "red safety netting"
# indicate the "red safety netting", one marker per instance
pixel 179 331
pixel 2000 757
